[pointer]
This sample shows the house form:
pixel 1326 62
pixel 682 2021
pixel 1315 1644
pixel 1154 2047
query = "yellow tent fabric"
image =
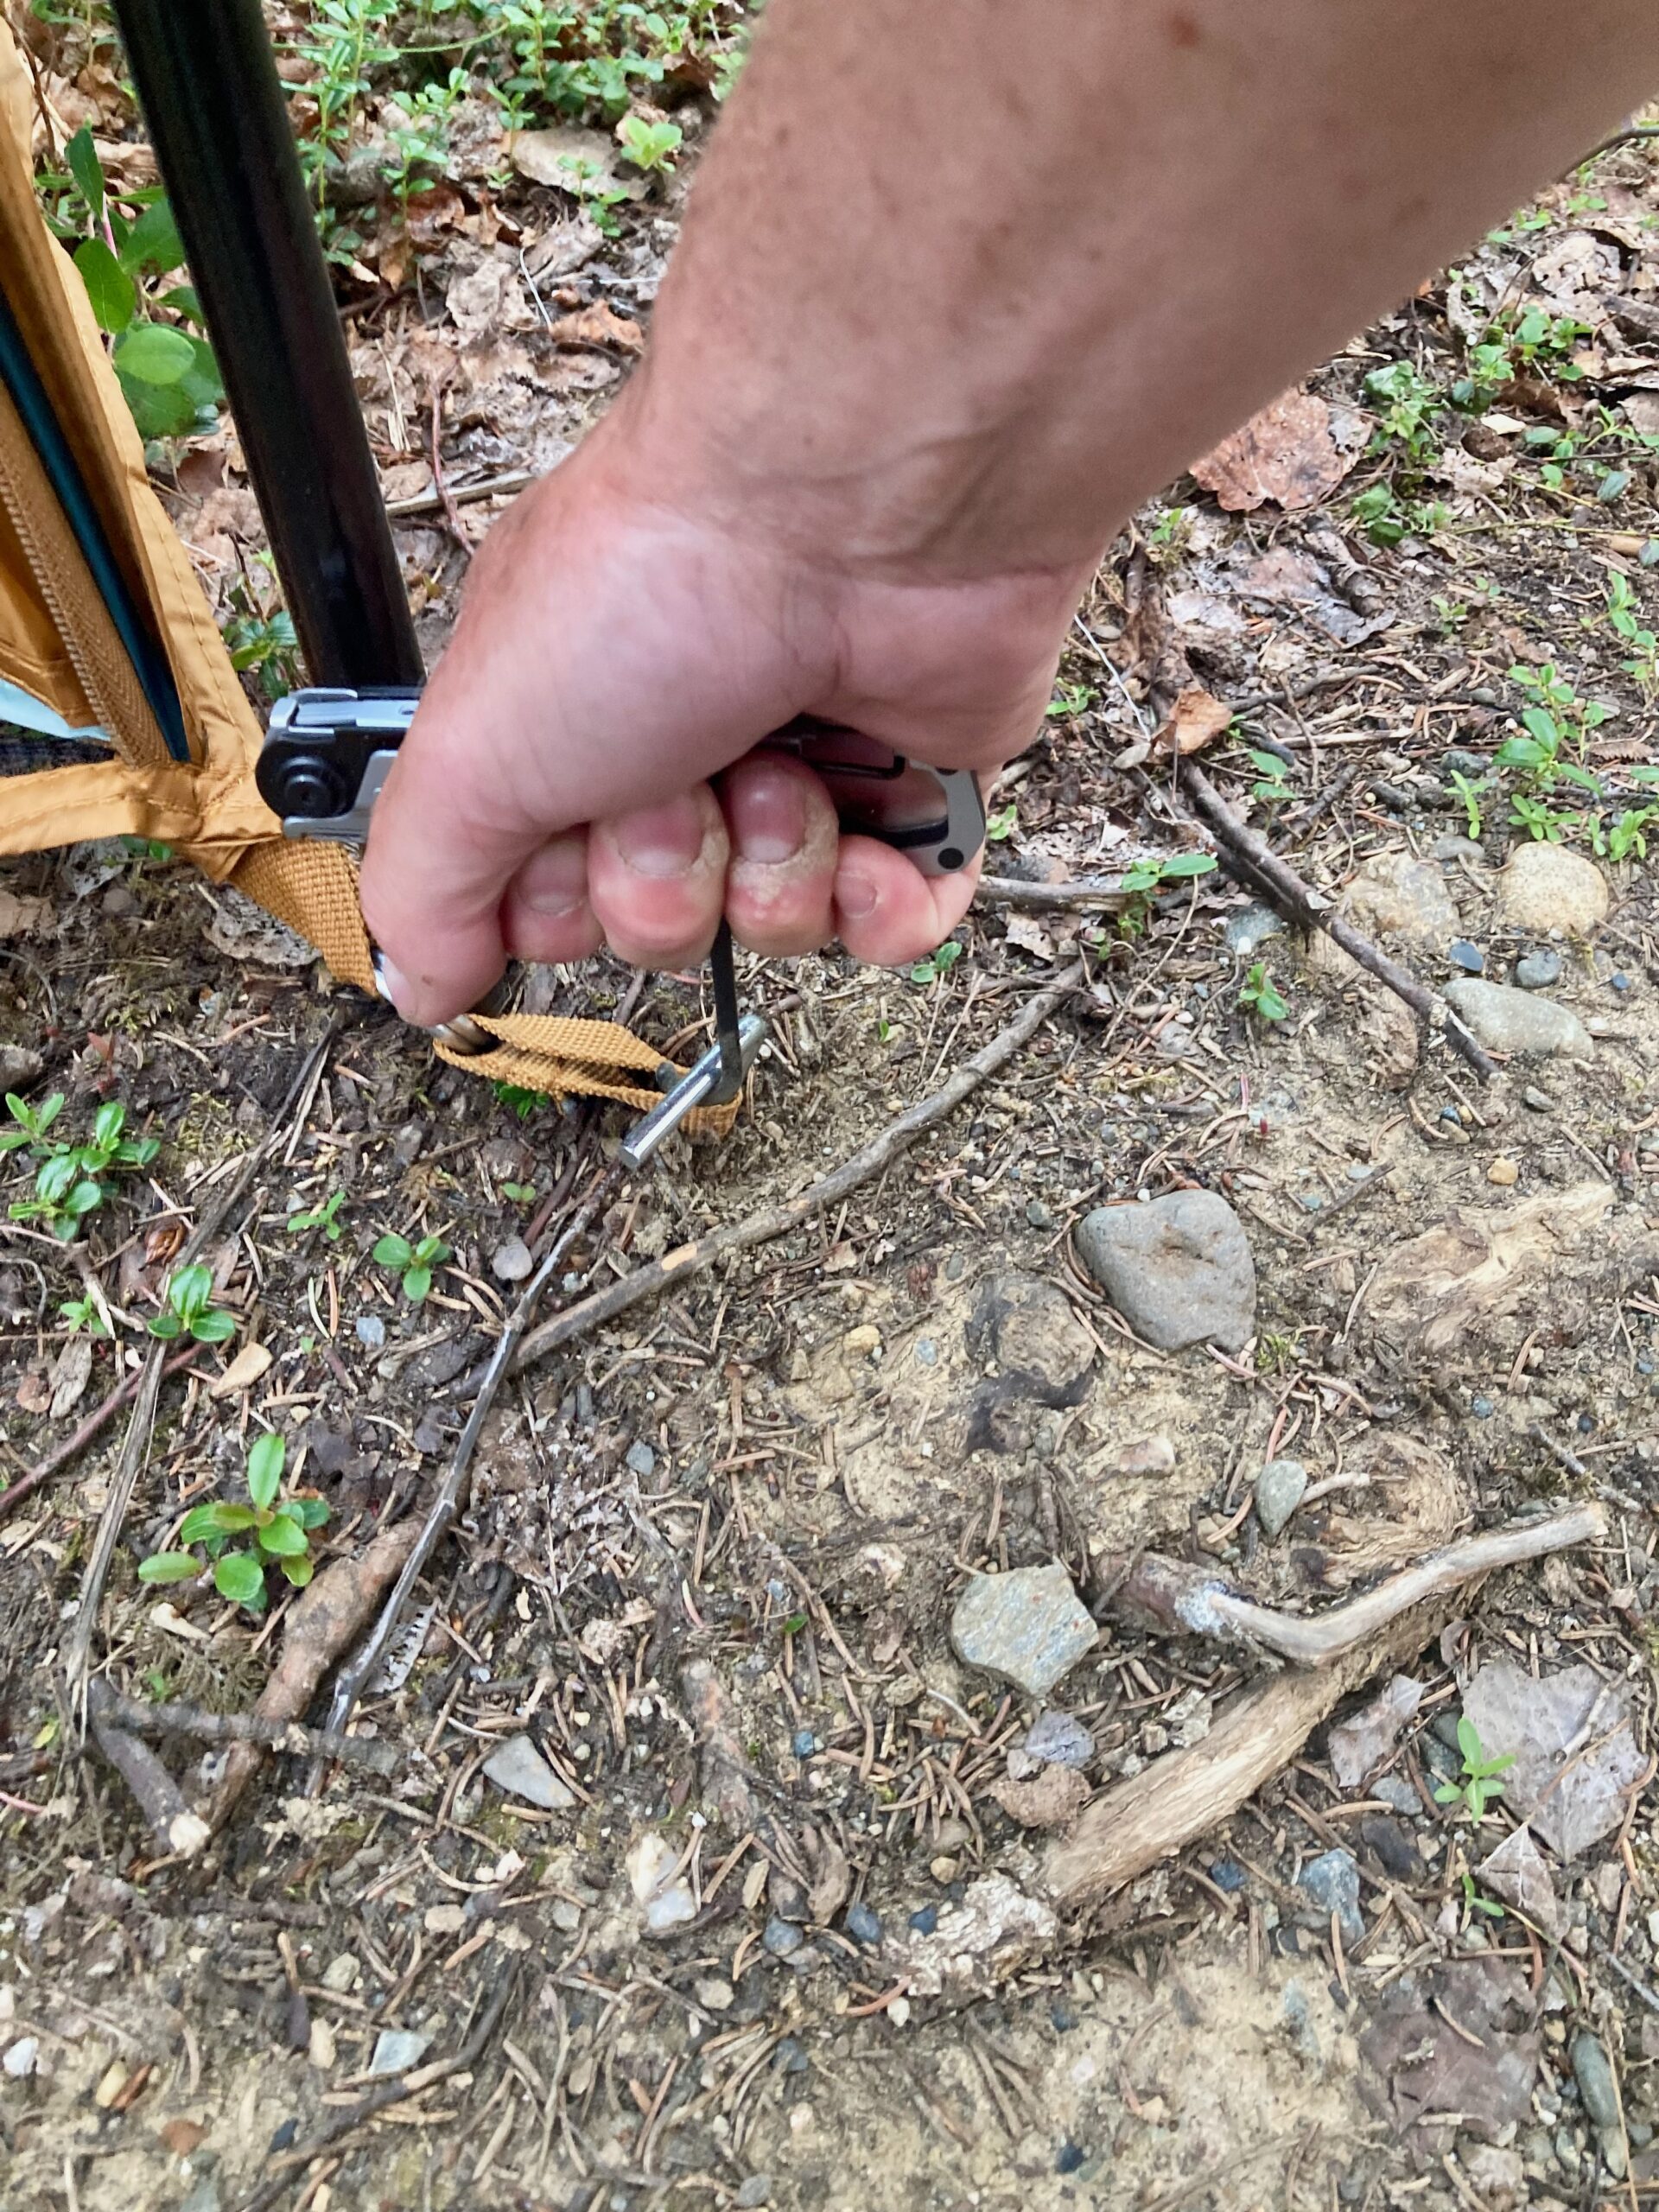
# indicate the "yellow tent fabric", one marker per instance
pixel 58 642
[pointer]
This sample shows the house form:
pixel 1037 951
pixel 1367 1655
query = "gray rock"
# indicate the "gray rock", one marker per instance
pixel 1508 1020
pixel 512 1261
pixel 782 1937
pixel 640 1459
pixel 1060 1739
pixel 519 1768
pixel 1468 957
pixel 863 1924
pixel 370 1330
pixel 1540 1100
pixel 1178 1269
pixel 22 2057
pixel 1394 1790
pixel 1250 927
pixel 1029 1626
pixel 1043 1351
pixel 753 2193
pixel 1546 886
pixel 1332 1881
pixel 1280 1489
pixel 205 2196
pixel 1395 895
pixel 18 1067
pixel 1538 970
pixel 397 2048
pixel 1595 2079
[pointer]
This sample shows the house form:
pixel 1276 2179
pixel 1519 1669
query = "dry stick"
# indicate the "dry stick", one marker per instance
pixel 144 1417
pixel 159 1800
pixel 1082 891
pixel 1301 905
pixel 409 2085
pixel 460 495
pixel 72 1446
pixel 176 1718
pixel 696 1258
pixel 442 1510
pixel 1170 1595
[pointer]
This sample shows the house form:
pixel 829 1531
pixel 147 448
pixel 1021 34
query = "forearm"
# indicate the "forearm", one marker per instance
pixel 963 281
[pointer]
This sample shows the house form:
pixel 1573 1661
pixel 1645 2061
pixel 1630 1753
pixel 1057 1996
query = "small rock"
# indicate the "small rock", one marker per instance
pixel 1539 970
pixel 1393 1848
pixel 664 1897
pixel 863 1924
pixel 21 2059
pixel 1397 896
pixel 1178 1268
pixel 565 1915
pixel 1469 957
pixel 1068 2158
pixel 1595 2079
pixel 1227 1874
pixel 342 1974
pixel 396 2049
pixel 321 2047
pixel 640 1459
pixel 753 2193
pixel 1060 1739
pixel 804 1743
pixel 863 1342
pixel 1052 1800
pixel 1042 1351
pixel 204 2196
pixel 1332 1881
pixel 444 1919
pixel 370 1330
pixel 714 1994
pixel 1482 1408
pixel 1029 1626
pixel 1279 1491
pixel 1394 1790
pixel 1508 1020
pixel 512 1261
pixel 926 1920
pixel 1540 1100
pixel 782 1937
pixel 1502 1172
pixel 1248 929
pixel 519 1768
pixel 18 1066
pixel 1550 887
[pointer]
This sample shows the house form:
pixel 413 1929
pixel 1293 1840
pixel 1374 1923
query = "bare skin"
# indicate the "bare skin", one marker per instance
pixel 959 288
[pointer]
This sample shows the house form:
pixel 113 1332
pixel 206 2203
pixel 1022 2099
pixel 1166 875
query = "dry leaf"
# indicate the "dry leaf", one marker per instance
pixel 1197 719
pixel 19 917
pixel 1518 1873
pixel 1575 1756
pixel 1029 937
pixel 567 156
pixel 599 325
pixel 1289 453
pixel 243 1371
pixel 34 1394
pixel 1358 1745
pixel 70 1377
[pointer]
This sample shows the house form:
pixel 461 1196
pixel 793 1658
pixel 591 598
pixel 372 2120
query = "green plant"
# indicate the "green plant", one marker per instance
pixel 1259 994
pixel 72 1179
pixel 1473 1901
pixel 520 1193
pixel 649 146
pixel 1002 823
pixel 83 1313
pixel 1556 718
pixel 280 1528
pixel 259 630
pixel 1468 789
pixel 937 963
pixel 1629 834
pixel 1387 517
pixel 189 1310
pixel 324 1218
pixel 1273 776
pixel 1623 614
pixel 415 1262
pixel 517 1100
pixel 1407 407
pixel 1544 824
pixel 1476 1785
pixel 1069 699
pixel 1144 879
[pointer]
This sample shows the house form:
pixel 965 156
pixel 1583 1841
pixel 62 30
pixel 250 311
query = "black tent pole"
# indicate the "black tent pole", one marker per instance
pixel 218 117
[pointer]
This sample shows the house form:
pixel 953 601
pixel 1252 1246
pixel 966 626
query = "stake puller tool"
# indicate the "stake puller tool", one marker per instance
pixel 327 752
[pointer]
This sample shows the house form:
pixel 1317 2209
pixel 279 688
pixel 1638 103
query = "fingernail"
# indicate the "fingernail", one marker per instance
pixel 855 894
pixel 661 840
pixel 768 813
pixel 556 881
pixel 393 986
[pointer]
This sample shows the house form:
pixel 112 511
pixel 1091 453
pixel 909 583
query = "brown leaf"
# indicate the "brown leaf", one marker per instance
pixel 1196 720
pixel 33 1392
pixel 181 2135
pixel 19 917
pixel 1288 453
pixel 243 1371
pixel 429 214
pixel 599 325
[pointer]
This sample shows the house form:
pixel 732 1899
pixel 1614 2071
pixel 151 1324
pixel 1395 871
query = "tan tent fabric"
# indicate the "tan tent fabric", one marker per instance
pixel 58 642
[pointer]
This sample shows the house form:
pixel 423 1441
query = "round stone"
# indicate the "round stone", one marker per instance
pixel 1546 887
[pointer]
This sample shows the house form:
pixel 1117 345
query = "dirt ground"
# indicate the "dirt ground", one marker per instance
pixel 712 1548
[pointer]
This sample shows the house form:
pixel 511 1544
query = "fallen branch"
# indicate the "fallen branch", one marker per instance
pixel 1274 880
pixel 1081 890
pixel 1167 1594
pixel 159 1800
pixel 56 1461
pixel 138 1718
pixel 460 495
pixel 696 1258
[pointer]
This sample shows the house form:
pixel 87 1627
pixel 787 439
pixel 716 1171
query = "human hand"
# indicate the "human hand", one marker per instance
pixel 617 650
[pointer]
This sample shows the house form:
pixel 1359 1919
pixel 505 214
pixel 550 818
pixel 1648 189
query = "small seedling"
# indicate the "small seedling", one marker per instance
pixel 520 1193
pixel 69 1184
pixel 1259 994
pixel 1069 699
pixel 1477 1785
pixel 1623 614
pixel 1468 789
pixel 1273 782
pixel 83 1313
pixel 189 1310
pixel 1002 823
pixel 280 1529
pixel 323 1218
pixel 1473 1901
pixel 414 1262
pixel 649 146
pixel 519 1101
pixel 938 963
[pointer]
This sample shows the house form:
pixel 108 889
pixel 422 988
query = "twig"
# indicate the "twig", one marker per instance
pixel 349 1687
pixel 159 1800
pixel 409 2085
pixel 1171 1595
pixel 1082 891
pixel 461 495
pixel 1628 138
pixel 451 513
pixel 80 1645
pixel 893 1142
pixel 71 1446
pixel 1299 903
pixel 176 1718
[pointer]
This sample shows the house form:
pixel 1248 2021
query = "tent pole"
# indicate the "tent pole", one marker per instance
pixel 208 86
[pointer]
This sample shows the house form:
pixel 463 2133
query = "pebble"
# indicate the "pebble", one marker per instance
pixel 1279 1491
pixel 1398 896
pixel 204 2197
pixel 1469 957
pixel 519 1768
pixel 640 1459
pixel 1508 1020
pixel 714 1994
pixel 512 1261
pixel 1068 2158
pixel 1332 1881
pixel 664 1897
pixel 395 2048
pixel 1595 2079
pixel 862 1342
pixel 926 1920
pixel 1619 980
pixel 803 1743
pixel 342 1974
pixel 1227 1874
pixel 1540 1100
pixel 1178 1268
pixel 1060 1739
pixel 782 1937
pixel 1482 1408
pixel 1546 887
pixel 1539 970
pixel 1029 1626
pixel 23 2057
pixel 19 1066
pixel 1503 1171
pixel 1146 1455
pixel 1456 761
pixel 1250 928
pixel 1393 1789
pixel 753 2193
pixel 1393 1848
pixel 863 1924
pixel 370 1330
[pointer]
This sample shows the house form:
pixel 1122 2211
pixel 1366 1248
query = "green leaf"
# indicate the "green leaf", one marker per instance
pixel 201 382
pixel 1446 1792
pixel 1521 753
pixel 219 1518
pixel 155 353
pixel 298 1571
pixel 107 1125
pixel 214 1327
pixel 168 1567
pixel 111 291
pixel 240 1577
pixel 417 1283
pixel 158 411
pixel 85 1197
pixel 166 1326
pixel 1188 864
pixel 282 1538
pixel 312 1511
pixel 393 1251
pixel 52 1181
pixel 190 1289
pixel 182 300
pixel 1468 1742
pixel 265 1459
pixel 153 246
pixel 86 168
pixel 431 1251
